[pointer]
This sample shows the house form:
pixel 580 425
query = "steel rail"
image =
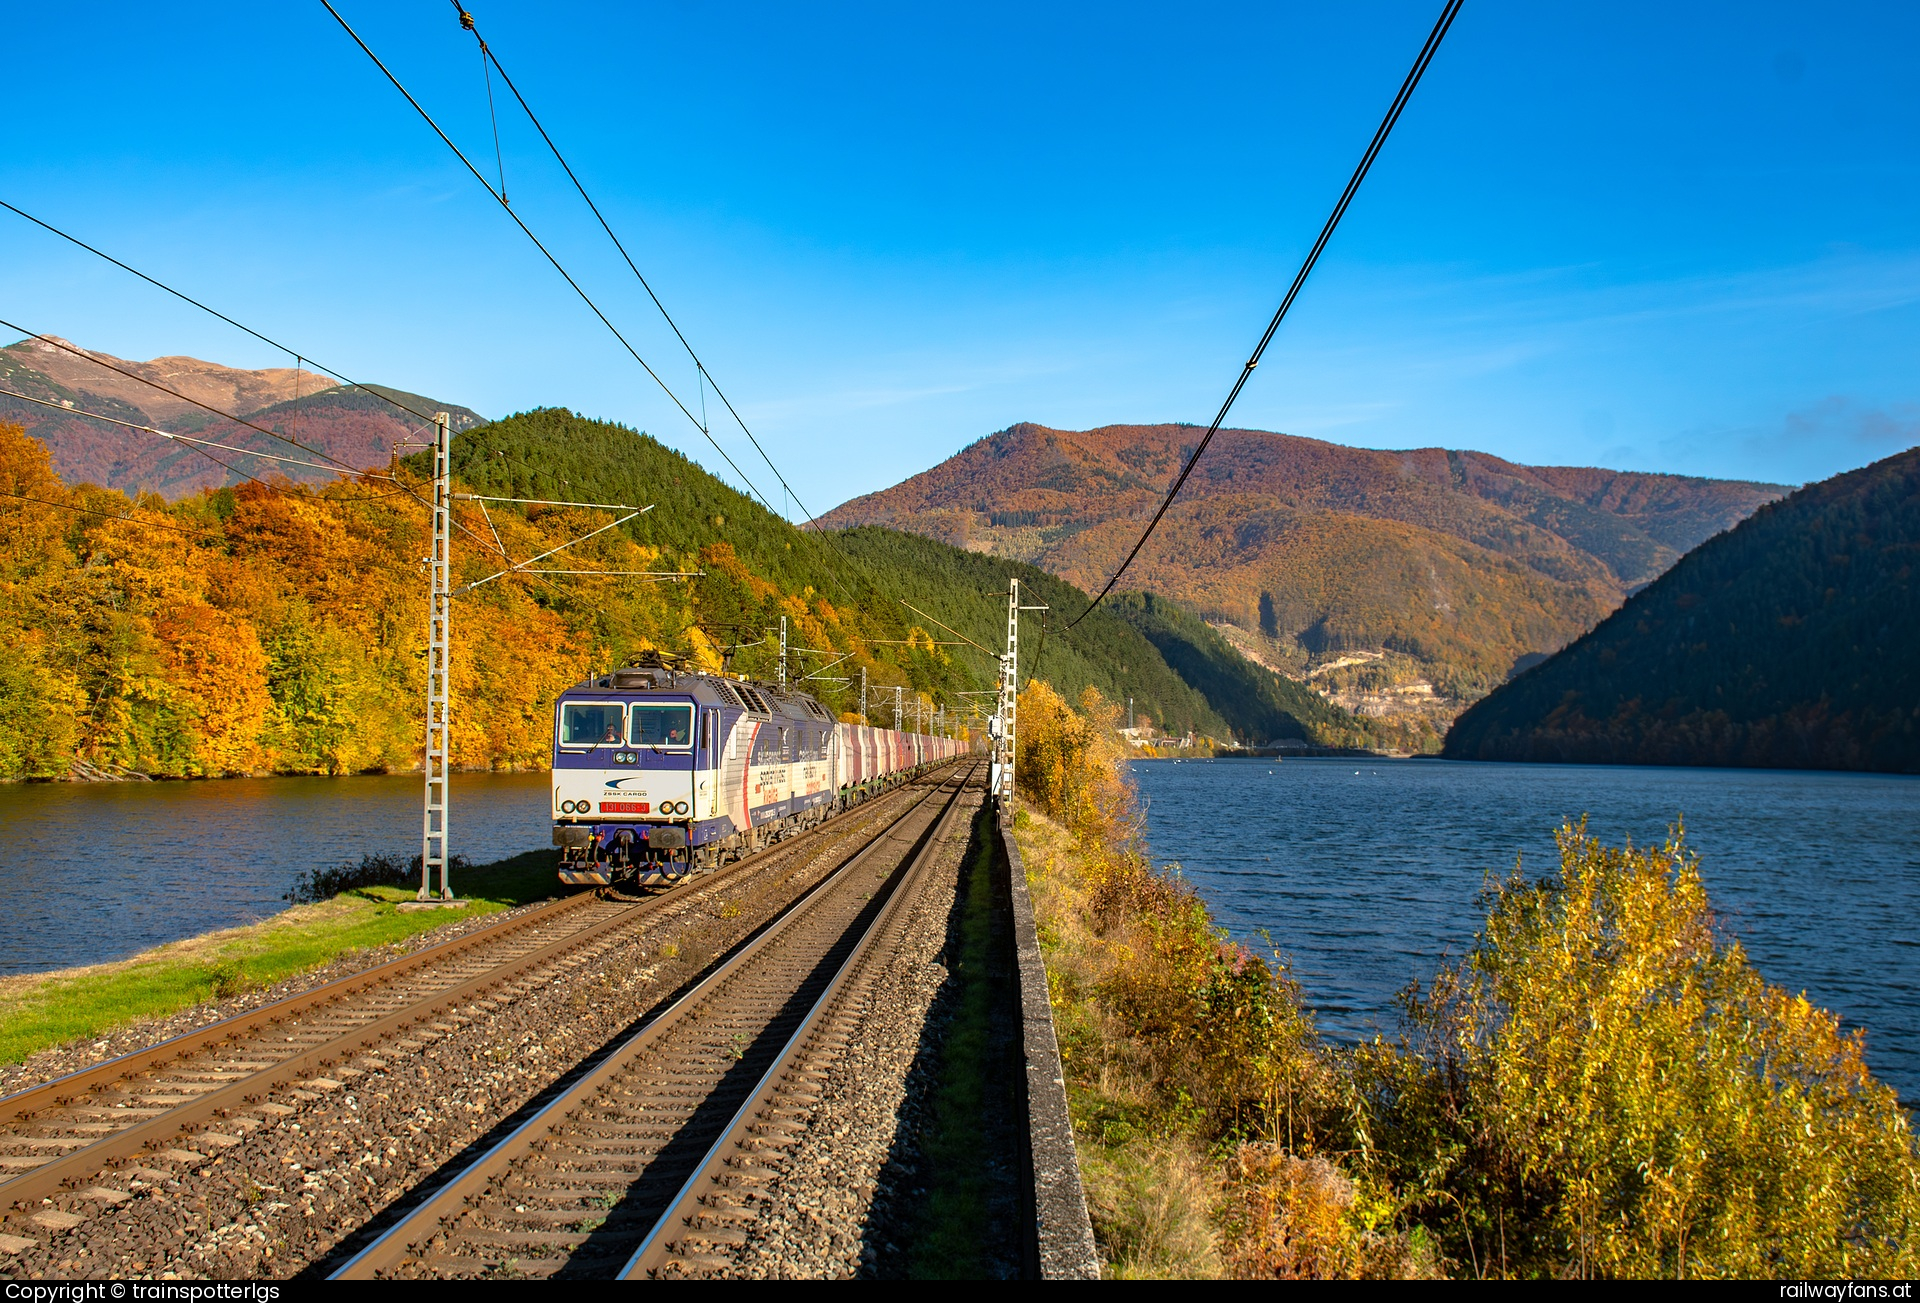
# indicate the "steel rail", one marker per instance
pixel 91 1159
pixel 657 1251
pixel 436 1214
pixel 84 1163
pixel 23 1104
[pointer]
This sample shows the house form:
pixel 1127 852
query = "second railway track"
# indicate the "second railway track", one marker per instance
pixel 75 1150
pixel 646 1164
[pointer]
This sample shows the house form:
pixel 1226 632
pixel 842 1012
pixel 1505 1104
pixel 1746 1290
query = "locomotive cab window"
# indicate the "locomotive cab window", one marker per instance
pixel 590 723
pixel 661 726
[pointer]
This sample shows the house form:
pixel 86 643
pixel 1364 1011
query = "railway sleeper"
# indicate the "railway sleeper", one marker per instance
pixel 461 1267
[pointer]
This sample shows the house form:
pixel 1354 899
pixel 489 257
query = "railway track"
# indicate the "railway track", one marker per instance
pixel 78 1139
pixel 647 1164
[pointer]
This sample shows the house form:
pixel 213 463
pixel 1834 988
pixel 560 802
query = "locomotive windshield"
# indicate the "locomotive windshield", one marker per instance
pixel 590 723
pixel 661 726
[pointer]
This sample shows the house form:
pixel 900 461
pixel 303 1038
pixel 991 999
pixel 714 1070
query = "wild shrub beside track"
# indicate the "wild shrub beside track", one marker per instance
pixel 372 871
pixel 1603 1087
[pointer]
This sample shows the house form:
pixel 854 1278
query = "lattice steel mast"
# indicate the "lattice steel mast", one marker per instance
pixel 437 759
pixel 433 821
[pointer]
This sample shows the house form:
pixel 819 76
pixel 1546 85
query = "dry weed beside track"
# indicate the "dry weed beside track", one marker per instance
pixel 1603 1087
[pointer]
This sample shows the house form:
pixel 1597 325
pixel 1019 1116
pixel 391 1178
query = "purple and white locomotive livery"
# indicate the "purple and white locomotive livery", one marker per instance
pixel 659 772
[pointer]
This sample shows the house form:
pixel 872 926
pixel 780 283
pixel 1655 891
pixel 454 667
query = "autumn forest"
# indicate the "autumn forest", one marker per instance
pixel 279 627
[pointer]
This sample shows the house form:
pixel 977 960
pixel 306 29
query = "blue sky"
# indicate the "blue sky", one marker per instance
pixel 1679 238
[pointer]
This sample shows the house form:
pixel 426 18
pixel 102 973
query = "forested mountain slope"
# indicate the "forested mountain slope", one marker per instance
pixel 868 576
pixel 1465 562
pixel 1258 704
pixel 354 426
pixel 1786 642
pixel 279 627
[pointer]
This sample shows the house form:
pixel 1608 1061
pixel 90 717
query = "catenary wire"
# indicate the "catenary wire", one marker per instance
pixel 1412 80
pixel 200 445
pixel 704 376
pixel 545 252
pixel 189 299
pixel 109 515
pixel 949 628
pixel 575 285
pixel 1034 669
pixel 466 21
pixel 183 438
pixel 229 467
pixel 186 298
pixel 155 384
pixel 404 490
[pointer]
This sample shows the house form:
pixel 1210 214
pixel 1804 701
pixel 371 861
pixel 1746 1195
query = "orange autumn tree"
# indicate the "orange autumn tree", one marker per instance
pixel 276 628
pixel 39 692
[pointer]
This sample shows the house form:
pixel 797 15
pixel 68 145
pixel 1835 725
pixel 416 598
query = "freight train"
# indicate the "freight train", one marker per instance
pixel 659 771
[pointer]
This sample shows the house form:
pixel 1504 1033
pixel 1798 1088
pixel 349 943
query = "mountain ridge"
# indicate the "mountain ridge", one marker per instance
pixel 1777 644
pixel 352 424
pixel 1463 562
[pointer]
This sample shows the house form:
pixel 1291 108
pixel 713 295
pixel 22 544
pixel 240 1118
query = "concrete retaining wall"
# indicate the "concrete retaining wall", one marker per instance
pixel 1061 1245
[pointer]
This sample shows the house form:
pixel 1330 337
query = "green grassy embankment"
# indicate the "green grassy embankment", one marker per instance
pixel 38 1010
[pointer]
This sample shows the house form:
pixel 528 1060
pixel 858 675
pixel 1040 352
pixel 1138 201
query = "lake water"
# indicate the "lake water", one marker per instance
pixel 99 871
pixel 1365 873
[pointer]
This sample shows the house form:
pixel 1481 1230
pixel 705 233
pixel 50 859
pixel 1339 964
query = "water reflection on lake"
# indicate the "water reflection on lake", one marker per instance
pixel 99 871
pixel 1365 873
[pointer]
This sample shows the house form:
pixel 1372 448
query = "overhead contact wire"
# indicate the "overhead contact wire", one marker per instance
pixel 545 252
pixel 404 490
pixel 466 21
pixel 109 515
pixel 187 298
pixel 1427 51
pixel 575 285
pixel 154 384
pixel 700 368
pixel 165 434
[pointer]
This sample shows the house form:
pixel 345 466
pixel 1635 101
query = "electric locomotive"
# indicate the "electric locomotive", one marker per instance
pixel 659 771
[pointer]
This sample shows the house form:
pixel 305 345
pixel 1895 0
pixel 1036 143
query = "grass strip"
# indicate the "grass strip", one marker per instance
pixel 38 1010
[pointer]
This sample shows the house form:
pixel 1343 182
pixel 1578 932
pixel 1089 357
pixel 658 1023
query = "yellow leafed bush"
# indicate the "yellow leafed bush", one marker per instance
pixel 1605 1088
pixel 1613 1090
